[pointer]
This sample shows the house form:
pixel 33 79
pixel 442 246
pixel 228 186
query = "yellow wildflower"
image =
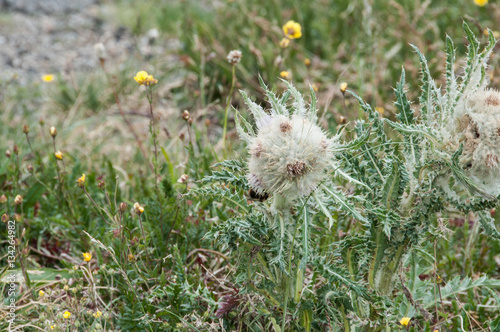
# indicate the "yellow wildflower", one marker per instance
pixel 307 62
pixel 48 78
pixel 284 43
pixel 380 110
pixel 81 181
pixel 285 74
pixel 87 256
pixel 97 314
pixel 138 208
pixel 59 155
pixel 292 30
pixel 52 327
pixel 66 287
pixel 143 78
pixel 41 293
pixel 405 321
pixel 315 87
pixel 66 315
pixel 53 131
pixel 343 87
pixel 131 257
pixel 480 3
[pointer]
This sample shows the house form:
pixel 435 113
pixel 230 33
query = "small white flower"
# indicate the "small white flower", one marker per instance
pixel 234 57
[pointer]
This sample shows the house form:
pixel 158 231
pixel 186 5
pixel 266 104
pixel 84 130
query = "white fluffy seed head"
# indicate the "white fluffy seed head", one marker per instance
pixel 477 125
pixel 290 155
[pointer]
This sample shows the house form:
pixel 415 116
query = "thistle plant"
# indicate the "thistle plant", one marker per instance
pixel 440 163
pixel 290 169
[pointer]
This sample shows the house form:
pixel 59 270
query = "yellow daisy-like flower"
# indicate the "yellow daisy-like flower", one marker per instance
pixel 48 78
pixel 380 110
pixel 87 256
pixel 81 181
pixel 97 314
pixel 284 43
pixel 59 155
pixel 52 327
pixel 66 315
pixel 292 30
pixel 138 208
pixel 285 74
pixel 143 78
pixel 405 321
pixel 41 293
pixel 480 3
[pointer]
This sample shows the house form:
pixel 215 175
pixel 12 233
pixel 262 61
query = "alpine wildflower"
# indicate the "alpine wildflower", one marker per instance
pixel 405 321
pixel 284 43
pixel 285 74
pixel 59 155
pixel 18 200
pixel 481 3
pixel 66 314
pixel 87 256
pixel 48 78
pixel 143 78
pixel 234 57
pixel 380 110
pixel 41 293
pixel 292 30
pixel 138 208
pixel 81 181
pixel 477 127
pixel 97 314
pixel 290 155
pixel 343 87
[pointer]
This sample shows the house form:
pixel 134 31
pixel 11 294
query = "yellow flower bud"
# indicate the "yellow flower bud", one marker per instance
pixel 87 256
pixel 138 208
pixel 59 155
pixel 285 74
pixel 343 87
pixel 53 131
pixel 81 181
pixel 284 43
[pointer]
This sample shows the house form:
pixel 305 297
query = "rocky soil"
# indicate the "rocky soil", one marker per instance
pixel 55 37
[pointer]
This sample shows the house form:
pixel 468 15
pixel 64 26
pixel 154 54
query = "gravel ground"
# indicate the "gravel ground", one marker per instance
pixel 55 37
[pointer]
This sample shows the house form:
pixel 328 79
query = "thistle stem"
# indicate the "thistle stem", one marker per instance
pixel 228 103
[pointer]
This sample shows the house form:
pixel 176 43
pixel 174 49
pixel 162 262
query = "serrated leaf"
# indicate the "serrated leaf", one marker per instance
pixel 344 204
